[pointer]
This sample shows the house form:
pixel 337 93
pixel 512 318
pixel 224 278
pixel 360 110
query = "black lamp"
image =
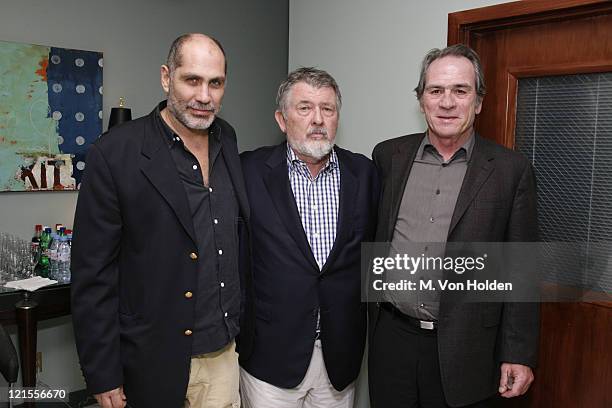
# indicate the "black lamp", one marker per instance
pixel 120 114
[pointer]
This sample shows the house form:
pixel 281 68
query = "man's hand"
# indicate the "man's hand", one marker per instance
pixel 515 380
pixel 112 399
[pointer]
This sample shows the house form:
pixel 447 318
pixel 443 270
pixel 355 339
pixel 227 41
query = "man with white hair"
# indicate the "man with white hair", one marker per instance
pixel 312 204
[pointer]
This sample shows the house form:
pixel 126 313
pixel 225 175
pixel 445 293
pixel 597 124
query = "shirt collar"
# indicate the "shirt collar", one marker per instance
pixel 293 162
pixel 467 147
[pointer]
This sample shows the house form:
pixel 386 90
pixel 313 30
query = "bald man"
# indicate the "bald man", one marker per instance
pixel 156 290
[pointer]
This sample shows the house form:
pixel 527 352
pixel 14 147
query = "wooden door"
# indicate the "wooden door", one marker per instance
pixel 538 38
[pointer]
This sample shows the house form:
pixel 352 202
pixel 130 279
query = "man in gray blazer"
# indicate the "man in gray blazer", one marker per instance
pixel 451 185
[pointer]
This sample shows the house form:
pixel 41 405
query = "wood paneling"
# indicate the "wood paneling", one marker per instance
pixel 565 45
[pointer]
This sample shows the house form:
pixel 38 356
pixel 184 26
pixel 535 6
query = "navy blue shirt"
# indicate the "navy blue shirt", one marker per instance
pixel 214 209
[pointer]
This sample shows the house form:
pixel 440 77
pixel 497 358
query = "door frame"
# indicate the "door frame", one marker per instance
pixel 466 26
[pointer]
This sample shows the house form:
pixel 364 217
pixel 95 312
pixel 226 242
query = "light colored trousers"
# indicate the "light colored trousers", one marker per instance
pixel 315 390
pixel 213 380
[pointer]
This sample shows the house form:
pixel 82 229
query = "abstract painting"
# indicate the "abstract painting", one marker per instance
pixel 50 112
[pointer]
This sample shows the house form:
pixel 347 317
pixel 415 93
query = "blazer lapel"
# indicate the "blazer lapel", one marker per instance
pixel 349 187
pixel 401 164
pixel 279 188
pixel 159 168
pixel 232 160
pixel 478 171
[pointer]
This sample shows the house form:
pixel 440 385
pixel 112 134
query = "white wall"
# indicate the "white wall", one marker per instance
pixel 134 37
pixel 373 50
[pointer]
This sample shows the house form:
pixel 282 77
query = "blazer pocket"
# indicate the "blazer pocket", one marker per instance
pixel 129 317
pixel 489 204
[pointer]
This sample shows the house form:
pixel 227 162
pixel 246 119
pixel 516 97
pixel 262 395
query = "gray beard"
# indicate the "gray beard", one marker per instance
pixel 186 121
pixel 314 149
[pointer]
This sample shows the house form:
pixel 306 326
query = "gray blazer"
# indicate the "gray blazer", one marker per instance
pixel 496 203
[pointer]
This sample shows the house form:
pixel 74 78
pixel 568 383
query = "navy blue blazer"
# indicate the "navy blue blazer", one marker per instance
pixel 288 286
pixel 131 265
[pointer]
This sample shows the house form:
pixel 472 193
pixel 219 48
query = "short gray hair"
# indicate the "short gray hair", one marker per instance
pixel 314 77
pixel 457 50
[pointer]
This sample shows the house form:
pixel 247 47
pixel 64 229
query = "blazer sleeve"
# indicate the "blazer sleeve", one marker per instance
pixel 94 291
pixel 521 321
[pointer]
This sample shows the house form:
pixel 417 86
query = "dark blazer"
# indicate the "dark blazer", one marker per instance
pixel 287 282
pixel 496 203
pixel 131 265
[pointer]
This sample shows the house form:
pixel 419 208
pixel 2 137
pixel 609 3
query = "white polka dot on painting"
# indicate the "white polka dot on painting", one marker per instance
pixel 60 140
pixel 57 88
pixel 55 59
pixel 80 140
pixel 79 62
pixel 80 165
pixel 80 89
pixel 100 114
pixel 100 90
pixel 57 115
pixel 101 62
pixel 79 116
pixel 72 156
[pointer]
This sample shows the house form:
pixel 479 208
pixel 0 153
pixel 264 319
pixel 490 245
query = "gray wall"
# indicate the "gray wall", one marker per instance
pixel 374 50
pixel 134 37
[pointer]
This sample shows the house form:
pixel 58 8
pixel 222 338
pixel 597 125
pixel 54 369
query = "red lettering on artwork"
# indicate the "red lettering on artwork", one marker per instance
pixel 41 183
pixel 43 176
pixel 57 185
pixel 27 173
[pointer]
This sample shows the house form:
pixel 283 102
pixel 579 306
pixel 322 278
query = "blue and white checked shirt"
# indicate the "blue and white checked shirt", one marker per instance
pixel 317 202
